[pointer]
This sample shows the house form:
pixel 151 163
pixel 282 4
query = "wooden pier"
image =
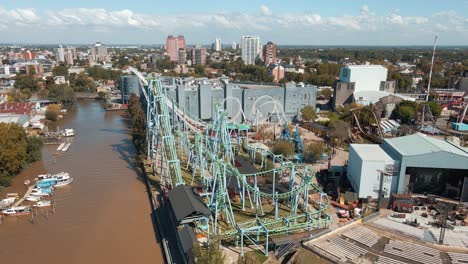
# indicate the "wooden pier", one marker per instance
pixel 28 192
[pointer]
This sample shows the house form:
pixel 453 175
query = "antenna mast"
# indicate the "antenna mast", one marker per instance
pixel 430 72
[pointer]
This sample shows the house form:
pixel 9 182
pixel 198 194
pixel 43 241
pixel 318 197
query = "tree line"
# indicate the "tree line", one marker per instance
pixel 137 117
pixel 17 151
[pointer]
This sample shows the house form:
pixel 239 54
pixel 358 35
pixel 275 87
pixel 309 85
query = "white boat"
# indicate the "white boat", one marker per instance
pixel 63 179
pixel 43 204
pixel 19 210
pixel 7 202
pixel 27 182
pixel 33 198
pixel 60 147
pixel 43 176
pixel 39 193
pixel 65 148
pixel 68 132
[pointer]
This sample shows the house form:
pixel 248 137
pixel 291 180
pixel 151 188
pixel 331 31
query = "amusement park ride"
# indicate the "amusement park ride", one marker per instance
pixel 244 209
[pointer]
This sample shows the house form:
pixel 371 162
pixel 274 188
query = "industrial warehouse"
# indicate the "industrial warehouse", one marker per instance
pixel 412 164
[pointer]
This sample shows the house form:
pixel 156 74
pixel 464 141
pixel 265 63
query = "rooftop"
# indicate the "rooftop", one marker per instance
pixel 370 152
pixel 185 202
pixel 365 67
pixel 374 96
pixel 16 108
pixel 420 144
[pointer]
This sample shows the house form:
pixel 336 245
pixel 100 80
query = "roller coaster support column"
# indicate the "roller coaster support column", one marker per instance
pixel 276 206
pixel 242 242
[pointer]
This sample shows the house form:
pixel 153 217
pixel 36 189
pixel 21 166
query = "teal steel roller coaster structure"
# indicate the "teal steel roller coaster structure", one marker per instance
pixel 208 151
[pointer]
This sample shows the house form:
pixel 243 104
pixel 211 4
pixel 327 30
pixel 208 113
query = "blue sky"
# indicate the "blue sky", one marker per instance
pixel 332 22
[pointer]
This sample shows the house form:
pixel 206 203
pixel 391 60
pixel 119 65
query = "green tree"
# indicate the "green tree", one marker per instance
pixel 34 149
pixel 13 154
pixel 436 109
pixel 208 255
pixel 62 93
pixel 314 151
pixel 326 93
pixel 19 95
pixel 25 82
pixel 339 130
pixel 138 123
pixel 52 112
pixel 84 83
pixel 284 148
pixel 43 93
pixel 308 113
pixel 32 70
pixel 405 111
pixel 405 114
pixel 60 71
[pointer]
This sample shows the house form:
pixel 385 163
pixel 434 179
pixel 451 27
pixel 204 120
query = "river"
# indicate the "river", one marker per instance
pixel 103 217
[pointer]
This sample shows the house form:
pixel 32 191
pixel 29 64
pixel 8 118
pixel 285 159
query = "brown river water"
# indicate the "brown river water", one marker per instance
pixel 104 216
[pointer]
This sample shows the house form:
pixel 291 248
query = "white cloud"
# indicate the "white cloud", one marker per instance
pixel 280 27
pixel 265 10
pixel 19 16
pixel 365 9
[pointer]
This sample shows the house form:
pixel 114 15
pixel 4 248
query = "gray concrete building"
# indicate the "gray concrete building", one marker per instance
pixel 129 84
pixel 201 96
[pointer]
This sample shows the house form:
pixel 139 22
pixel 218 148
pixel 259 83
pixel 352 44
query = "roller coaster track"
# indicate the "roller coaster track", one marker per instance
pixel 209 150
pixel 375 139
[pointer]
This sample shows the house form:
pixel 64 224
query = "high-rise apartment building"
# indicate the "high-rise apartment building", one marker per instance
pixel 69 58
pixel 28 55
pixel 173 44
pixel 234 45
pixel 101 51
pixel 198 55
pixel 269 53
pixel 182 56
pixel 60 54
pixel 73 51
pixel 217 45
pixel 251 49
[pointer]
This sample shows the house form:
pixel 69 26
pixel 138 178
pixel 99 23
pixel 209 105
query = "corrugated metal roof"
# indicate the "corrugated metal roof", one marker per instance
pixel 419 144
pixel 187 238
pixel 371 152
pixel 185 202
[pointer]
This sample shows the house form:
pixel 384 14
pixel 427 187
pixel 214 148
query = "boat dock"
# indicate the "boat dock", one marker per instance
pixel 28 192
pixel 65 147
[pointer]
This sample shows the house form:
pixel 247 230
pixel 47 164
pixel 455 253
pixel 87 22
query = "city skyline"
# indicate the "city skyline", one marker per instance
pixel 354 23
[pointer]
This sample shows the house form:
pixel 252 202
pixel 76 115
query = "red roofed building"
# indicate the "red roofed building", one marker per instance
pixel 28 109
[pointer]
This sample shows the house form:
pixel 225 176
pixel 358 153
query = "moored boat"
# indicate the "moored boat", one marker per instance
pixel 68 132
pixel 42 192
pixel 33 198
pixel 7 202
pixel 45 203
pixel 55 180
pixel 63 181
pixel 19 210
